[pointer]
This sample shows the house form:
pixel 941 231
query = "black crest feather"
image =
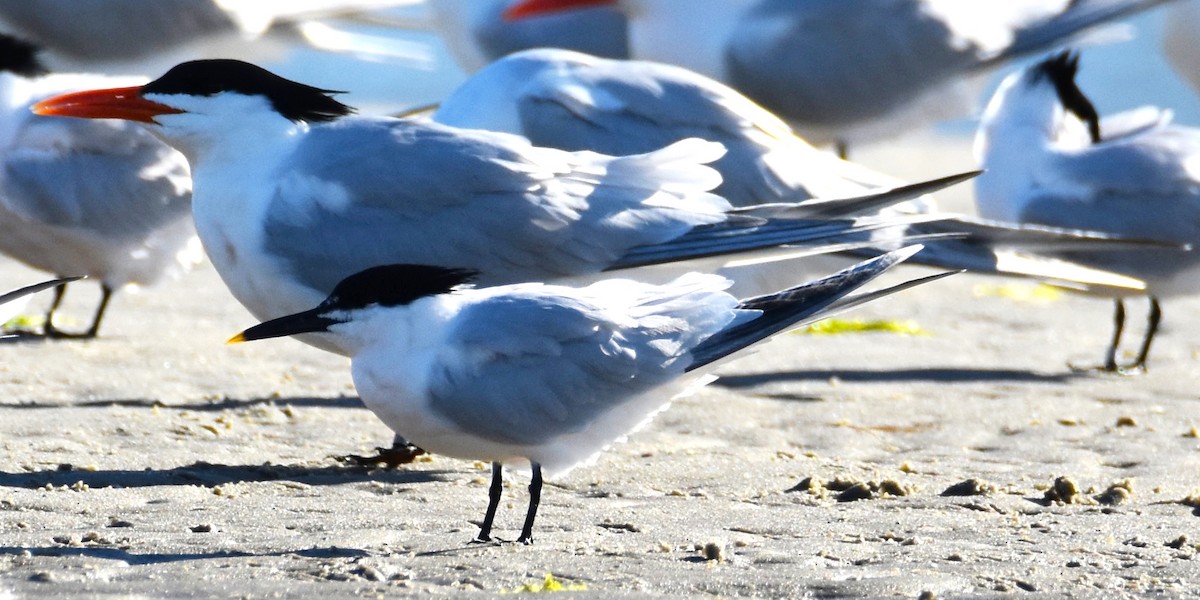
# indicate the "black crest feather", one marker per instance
pixel 20 57
pixel 395 285
pixel 295 101
pixel 1061 69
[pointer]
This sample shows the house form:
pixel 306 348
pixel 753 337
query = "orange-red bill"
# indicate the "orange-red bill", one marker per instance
pixel 535 8
pixel 115 103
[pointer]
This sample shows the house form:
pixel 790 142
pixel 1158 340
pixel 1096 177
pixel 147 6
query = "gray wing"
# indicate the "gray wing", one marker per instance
pixel 1136 186
pixel 529 368
pixel 567 100
pixel 392 191
pixel 1155 163
pixel 109 178
pixel 832 62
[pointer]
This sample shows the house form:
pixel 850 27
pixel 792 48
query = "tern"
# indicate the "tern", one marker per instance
pixel 573 101
pixel 104 199
pixel 292 193
pixel 850 71
pixel 545 374
pixel 1051 159
pixel 476 32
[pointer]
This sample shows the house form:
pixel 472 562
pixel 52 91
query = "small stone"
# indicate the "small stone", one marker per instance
pixel 42 577
pixel 202 528
pixel 891 487
pixel 858 491
pixel 371 573
pixel 714 552
pixel 1117 493
pixel 1126 422
pixel 115 522
pixel 1178 543
pixel 1064 491
pixel 969 487
pixel 927 595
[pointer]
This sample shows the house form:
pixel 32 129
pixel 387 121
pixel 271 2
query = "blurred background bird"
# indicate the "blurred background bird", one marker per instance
pixel 847 72
pixel 97 198
pixel 1050 158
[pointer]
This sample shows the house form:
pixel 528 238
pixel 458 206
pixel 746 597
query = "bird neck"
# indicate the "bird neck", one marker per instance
pixel 1021 127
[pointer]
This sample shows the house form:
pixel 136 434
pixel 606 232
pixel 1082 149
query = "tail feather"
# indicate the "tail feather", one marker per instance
pixel 794 307
pixel 857 205
pixel 740 234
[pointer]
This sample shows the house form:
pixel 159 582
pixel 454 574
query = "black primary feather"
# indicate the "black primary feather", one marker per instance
pixel 1061 70
pixel 20 57
pixel 295 101
pixel 395 285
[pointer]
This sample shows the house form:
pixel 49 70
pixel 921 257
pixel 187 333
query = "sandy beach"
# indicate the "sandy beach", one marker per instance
pixel 965 460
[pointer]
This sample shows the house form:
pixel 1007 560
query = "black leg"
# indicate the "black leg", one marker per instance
pixel 1151 329
pixel 48 328
pixel 1110 358
pixel 535 497
pixel 842 148
pixel 105 295
pixel 494 492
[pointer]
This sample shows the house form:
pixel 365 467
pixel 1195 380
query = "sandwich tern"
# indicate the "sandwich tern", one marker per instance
pixel 545 374
pixel 1050 159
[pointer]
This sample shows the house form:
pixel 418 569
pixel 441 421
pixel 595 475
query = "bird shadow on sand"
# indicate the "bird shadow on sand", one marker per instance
pixel 208 474
pixel 200 406
pixel 938 375
pixel 133 558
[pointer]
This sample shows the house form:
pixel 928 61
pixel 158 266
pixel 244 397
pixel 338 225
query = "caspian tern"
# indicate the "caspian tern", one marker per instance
pixel 476 32
pixel 544 374
pixel 572 101
pixel 292 193
pixel 850 71
pixel 1050 159
pixel 99 198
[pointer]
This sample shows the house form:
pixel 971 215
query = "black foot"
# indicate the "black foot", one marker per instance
pixel 481 539
pixel 58 334
pixel 525 540
pixel 1109 369
pixel 390 458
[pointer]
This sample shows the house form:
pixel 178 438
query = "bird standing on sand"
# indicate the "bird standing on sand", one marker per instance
pixel 544 374
pixel 103 198
pixel 1050 159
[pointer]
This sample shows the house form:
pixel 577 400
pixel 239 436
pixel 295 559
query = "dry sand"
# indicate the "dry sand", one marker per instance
pixel 159 462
